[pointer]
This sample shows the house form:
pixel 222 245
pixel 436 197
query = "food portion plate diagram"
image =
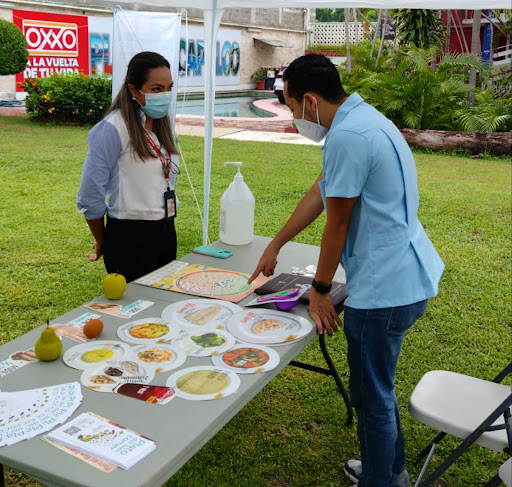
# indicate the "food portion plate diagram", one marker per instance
pixel 110 373
pixel 200 314
pixel 203 383
pixel 246 358
pixel 160 356
pixel 148 330
pixel 264 326
pixel 89 354
pixel 204 343
pixel 214 283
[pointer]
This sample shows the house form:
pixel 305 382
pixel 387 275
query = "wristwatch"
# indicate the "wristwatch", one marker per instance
pixel 321 287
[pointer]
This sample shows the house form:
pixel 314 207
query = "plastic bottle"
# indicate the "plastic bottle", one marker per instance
pixel 237 212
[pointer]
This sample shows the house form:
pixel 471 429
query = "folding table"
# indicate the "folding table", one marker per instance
pixel 179 428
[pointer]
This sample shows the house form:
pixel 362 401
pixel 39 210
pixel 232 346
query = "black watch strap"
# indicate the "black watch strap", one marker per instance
pixel 321 287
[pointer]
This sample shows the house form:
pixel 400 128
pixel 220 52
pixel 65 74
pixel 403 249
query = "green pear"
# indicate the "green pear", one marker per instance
pixel 49 346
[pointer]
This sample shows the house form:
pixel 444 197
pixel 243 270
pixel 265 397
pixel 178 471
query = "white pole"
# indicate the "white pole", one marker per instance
pixel 211 24
pixel 347 40
pixel 375 36
pixel 356 25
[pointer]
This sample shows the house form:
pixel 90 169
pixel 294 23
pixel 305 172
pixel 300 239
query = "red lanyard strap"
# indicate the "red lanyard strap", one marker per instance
pixel 166 162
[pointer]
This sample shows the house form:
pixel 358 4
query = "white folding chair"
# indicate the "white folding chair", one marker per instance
pixel 475 410
pixel 505 473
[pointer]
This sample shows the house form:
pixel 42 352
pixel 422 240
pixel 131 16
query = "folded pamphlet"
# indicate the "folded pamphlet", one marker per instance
pixel 102 439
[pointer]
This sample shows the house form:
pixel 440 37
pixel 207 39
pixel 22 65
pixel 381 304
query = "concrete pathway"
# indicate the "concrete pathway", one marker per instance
pixel 279 137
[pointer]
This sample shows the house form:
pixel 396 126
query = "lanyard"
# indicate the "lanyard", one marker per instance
pixel 166 162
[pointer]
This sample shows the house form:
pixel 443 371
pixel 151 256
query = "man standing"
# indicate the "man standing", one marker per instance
pixel 368 188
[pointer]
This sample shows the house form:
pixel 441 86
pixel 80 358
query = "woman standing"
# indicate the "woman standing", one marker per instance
pixel 129 174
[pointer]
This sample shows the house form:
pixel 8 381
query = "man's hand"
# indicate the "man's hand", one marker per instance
pixel 323 313
pixel 98 247
pixel 266 265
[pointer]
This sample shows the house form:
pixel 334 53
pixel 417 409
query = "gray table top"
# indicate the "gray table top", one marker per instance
pixel 179 428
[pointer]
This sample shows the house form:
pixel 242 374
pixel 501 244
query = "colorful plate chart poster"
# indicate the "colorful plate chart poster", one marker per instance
pixel 204 343
pixel 201 280
pixel 203 383
pixel 245 358
pixel 264 326
pixel 88 354
pixel 161 356
pixel 200 314
pixel 110 373
pixel 148 330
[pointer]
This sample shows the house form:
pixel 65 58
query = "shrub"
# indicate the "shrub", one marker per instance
pixel 404 87
pixel 13 49
pixel 68 98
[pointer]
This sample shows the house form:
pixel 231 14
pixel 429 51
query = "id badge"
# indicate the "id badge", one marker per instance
pixel 170 204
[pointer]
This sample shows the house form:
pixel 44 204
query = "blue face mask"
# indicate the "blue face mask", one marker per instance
pixel 157 104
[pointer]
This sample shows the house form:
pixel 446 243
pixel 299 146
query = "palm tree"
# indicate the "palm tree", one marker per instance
pixel 407 90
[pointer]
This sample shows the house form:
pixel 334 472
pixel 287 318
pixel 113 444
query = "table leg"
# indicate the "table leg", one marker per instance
pixel 330 371
pixel 2 484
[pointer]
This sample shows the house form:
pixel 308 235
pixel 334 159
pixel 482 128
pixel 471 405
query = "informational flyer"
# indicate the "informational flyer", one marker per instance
pixel 120 311
pixel 95 436
pixel 28 413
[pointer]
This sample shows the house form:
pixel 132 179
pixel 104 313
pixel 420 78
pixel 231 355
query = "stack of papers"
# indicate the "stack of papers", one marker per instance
pixel 100 438
pixel 26 414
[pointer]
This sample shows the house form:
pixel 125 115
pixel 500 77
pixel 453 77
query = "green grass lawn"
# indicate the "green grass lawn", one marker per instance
pixel 293 433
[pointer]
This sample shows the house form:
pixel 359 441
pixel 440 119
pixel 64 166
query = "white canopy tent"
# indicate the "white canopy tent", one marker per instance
pixel 213 10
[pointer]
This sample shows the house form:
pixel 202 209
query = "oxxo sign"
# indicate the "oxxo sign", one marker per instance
pixel 56 44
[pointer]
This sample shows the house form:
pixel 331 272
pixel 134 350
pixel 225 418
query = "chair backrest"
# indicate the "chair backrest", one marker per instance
pixel 506 473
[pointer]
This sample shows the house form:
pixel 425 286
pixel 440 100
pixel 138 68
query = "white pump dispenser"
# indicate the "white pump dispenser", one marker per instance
pixel 237 211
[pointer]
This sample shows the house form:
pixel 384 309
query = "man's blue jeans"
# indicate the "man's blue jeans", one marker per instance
pixel 374 338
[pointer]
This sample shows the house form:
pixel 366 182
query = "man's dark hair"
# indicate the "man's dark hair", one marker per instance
pixel 316 73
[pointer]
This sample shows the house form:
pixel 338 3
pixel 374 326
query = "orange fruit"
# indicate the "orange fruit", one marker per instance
pixel 93 328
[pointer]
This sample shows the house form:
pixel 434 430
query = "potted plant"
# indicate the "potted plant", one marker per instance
pixel 259 77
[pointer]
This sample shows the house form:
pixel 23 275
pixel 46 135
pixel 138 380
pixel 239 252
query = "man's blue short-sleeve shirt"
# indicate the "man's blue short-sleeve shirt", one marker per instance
pixel 388 258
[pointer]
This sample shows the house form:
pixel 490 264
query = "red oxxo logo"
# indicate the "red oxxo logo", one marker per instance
pixel 47 38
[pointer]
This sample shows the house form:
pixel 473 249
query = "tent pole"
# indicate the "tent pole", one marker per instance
pixel 347 41
pixel 382 37
pixel 211 24
pixel 376 32
pixel 356 25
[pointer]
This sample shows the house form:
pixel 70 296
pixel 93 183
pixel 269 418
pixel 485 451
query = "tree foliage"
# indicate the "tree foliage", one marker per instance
pixel 420 27
pixel 330 15
pixel 403 86
pixel 13 49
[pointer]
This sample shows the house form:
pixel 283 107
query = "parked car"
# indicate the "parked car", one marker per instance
pixel 279 86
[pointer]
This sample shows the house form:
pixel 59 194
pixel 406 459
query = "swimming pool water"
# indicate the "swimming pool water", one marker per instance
pixel 241 106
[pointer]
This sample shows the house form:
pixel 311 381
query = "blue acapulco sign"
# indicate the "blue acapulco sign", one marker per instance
pixel 227 56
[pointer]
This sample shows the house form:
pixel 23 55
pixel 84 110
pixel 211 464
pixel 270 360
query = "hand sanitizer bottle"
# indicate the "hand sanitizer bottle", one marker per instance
pixel 237 212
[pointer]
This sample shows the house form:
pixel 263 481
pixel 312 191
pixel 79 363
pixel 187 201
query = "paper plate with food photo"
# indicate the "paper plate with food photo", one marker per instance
pixel 106 376
pixel 204 343
pixel 203 383
pixel 245 358
pixel 200 314
pixel 160 356
pixel 148 330
pixel 88 354
pixel 265 326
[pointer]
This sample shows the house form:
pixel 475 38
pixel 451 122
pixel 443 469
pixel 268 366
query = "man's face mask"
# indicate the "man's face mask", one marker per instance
pixel 311 130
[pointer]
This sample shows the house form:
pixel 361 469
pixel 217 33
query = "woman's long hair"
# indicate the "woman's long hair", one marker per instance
pixel 137 75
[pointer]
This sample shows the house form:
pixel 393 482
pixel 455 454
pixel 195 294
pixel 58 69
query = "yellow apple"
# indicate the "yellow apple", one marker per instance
pixel 114 285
